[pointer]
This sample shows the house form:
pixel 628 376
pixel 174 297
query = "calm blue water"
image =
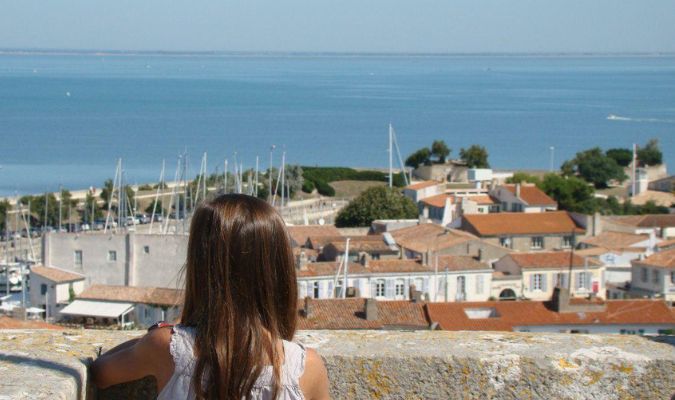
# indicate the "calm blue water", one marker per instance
pixel 66 119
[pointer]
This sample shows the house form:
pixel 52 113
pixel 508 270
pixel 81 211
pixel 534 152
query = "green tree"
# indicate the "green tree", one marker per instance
pixel 650 154
pixel 520 177
pixel 90 209
pixel 376 203
pixel 594 167
pixel 151 206
pixel 475 156
pixel 440 150
pixel 623 157
pixel 571 193
pixel 4 209
pixel 420 157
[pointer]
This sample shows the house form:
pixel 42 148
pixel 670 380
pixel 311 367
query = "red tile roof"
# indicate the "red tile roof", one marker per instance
pixel 614 240
pixel 55 274
pixel 422 185
pixel 645 221
pixel 350 314
pixel 510 314
pixel 532 195
pixel 300 233
pixel 460 263
pixel 429 237
pixel 437 201
pixel 367 243
pixel 497 224
pixel 481 199
pixel 374 267
pixel 134 294
pixel 662 259
pixel 552 259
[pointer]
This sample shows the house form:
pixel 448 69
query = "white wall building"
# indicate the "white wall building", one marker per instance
pixel 523 198
pixel 53 288
pixel 654 276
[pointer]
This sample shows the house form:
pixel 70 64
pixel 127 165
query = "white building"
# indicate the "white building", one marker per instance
pixel 125 259
pixel 616 250
pixel 523 198
pixel 654 276
pixel 420 190
pixel 52 288
pixel 541 272
pixel 457 278
pixel 110 305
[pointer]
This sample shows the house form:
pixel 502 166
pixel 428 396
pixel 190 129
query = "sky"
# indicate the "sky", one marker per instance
pixel 421 26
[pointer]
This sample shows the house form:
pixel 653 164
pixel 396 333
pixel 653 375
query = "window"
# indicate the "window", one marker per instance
pixel 505 241
pixel 316 289
pixel 538 282
pixel 672 277
pixel 379 288
pixel 400 288
pixel 537 242
pixel 581 280
pixel 78 258
pixel 656 276
pixel 146 249
pixel 566 242
pixel 461 288
pixel 479 284
pixel 43 289
pixel 560 280
pixel 112 255
pixel 643 274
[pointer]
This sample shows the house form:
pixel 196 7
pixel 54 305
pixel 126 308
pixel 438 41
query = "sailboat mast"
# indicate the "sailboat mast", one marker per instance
pixel 391 158
pixel 344 281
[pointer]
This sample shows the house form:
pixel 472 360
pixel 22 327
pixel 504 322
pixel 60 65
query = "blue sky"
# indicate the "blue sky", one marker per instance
pixel 342 25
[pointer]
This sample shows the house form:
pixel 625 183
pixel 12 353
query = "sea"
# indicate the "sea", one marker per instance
pixel 66 118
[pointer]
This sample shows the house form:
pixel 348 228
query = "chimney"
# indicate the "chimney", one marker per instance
pixel 302 261
pixel 480 255
pixel 371 309
pixel 518 190
pixel 308 307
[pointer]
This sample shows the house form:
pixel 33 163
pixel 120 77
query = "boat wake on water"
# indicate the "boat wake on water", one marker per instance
pixel 613 117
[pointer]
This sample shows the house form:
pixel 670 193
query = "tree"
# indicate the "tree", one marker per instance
pixel 571 193
pixel 4 209
pixel 376 203
pixel 475 156
pixel 91 211
pixel 421 156
pixel 440 150
pixel 650 154
pixel 520 177
pixel 623 157
pixel 594 167
pixel 294 179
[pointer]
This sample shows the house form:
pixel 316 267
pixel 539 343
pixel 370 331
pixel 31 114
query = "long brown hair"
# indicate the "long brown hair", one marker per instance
pixel 240 294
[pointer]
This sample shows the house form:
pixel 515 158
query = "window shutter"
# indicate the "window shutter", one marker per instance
pixel 425 285
pixel 531 282
pixel 310 288
pixel 588 281
pixel 389 288
pixel 544 282
pixel 322 290
pixel 563 280
pixel 331 290
pixel 406 292
pixel 373 288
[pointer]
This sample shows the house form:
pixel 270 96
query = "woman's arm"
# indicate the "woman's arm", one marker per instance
pixel 314 381
pixel 135 359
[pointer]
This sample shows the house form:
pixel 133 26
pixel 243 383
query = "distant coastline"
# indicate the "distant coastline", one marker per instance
pixel 317 54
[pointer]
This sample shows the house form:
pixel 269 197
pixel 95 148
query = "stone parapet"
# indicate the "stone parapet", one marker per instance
pixel 41 364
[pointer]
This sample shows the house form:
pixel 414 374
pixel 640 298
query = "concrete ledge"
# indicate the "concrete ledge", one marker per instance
pixel 386 365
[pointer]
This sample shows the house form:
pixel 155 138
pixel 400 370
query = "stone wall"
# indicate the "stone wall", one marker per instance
pixel 386 365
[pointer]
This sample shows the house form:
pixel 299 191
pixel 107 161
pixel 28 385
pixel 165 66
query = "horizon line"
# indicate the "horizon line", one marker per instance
pixel 109 52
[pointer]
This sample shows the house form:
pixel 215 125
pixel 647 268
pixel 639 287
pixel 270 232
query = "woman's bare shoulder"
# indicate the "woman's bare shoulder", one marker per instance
pixel 314 381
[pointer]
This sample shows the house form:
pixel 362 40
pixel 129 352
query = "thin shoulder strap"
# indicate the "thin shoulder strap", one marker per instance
pixel 294 361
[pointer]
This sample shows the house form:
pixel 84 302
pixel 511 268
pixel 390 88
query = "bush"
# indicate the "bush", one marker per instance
pixel 324 188
pixel 376 203
pixel 308 186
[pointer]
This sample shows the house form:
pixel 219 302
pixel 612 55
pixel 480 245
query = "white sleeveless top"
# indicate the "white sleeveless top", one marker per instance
pixel 180 384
